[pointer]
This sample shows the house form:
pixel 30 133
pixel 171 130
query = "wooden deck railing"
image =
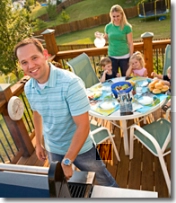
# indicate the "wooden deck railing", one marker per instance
pixel 153 51
pixel 16 137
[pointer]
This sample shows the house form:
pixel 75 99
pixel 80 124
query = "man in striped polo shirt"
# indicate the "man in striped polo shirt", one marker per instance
pixel 60 113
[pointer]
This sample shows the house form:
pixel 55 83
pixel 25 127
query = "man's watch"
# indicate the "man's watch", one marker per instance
pixel 66 162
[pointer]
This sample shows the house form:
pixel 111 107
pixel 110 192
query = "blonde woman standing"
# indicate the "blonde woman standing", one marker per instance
pixel 118 33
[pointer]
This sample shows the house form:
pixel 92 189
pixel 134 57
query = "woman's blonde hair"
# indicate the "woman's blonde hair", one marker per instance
pixel 138 56
pixel 118 8
pixel 104 61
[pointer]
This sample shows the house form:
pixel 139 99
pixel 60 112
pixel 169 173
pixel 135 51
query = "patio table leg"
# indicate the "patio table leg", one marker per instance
pixel 123 127
pixel 125 136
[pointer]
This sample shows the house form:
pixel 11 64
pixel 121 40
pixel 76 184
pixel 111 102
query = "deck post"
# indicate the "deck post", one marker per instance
pixel 50 40
pixel 51 44
pixel 17 129
pixel 148 51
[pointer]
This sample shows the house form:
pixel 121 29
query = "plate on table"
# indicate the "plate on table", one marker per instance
pixel 108 105
pixel 145 100
pixel 144 83
pixel 157 92
pixel 93 94
pixel 96 87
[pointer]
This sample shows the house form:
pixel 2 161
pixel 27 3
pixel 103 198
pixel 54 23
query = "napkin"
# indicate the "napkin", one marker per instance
pixel 106 112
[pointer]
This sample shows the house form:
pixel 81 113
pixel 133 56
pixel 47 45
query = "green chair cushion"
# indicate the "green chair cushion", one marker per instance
pixel 159 130
pixel 100 136
pixel 82 67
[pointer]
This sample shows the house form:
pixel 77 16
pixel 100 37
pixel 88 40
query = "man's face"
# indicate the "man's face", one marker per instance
pixel 33 62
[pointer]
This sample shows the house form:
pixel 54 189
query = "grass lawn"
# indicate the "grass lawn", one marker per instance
pixel 85 9
pixel 88 8
pixel 160 29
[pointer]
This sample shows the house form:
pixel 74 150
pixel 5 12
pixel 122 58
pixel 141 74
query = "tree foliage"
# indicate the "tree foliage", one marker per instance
pixel 51 11
pixel 14 26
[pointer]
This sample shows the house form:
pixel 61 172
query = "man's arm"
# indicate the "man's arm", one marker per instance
pixel 40 152
pixel 79 138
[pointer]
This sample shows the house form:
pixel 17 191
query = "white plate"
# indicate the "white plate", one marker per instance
pixel 106 88
pixel 107 105
pixel 118 79
pixel 145 100
pixel 145 83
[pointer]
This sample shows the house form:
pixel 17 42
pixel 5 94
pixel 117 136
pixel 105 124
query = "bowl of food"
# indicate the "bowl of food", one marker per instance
pixel 121 87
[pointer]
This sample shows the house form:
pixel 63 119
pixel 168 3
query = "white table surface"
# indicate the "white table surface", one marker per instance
pixel 111 192
pixel 116 116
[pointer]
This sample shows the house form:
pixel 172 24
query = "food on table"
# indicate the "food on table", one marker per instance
pixel 151 87
pixel 158 86
pixel 122 87
pixel 165 88
pixel 132 82
pixel 93 94
pixel 152 84
pixel 97 94
pixel 156 91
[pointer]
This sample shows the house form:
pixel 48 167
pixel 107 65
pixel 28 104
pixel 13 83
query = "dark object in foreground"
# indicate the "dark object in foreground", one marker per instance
pixel 27 182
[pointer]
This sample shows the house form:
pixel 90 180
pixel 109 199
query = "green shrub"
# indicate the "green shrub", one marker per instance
pixel 40 24
pixel 30 2
pixel 65 17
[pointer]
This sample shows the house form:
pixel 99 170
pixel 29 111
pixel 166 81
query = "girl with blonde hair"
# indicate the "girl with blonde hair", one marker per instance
pixel 137 65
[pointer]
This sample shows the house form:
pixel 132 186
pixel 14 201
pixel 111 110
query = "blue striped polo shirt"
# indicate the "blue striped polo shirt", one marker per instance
pixel 64 96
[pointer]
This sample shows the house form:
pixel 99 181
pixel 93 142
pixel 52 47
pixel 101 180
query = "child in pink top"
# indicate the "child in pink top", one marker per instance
pixel 136 65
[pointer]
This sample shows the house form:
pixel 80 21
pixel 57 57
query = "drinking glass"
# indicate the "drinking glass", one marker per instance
pixel 138 90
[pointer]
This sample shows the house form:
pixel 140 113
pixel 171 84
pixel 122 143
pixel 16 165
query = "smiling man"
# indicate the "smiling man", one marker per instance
pixel 60 113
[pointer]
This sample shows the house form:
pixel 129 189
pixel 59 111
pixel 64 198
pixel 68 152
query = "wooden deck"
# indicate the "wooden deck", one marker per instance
pixel 142 172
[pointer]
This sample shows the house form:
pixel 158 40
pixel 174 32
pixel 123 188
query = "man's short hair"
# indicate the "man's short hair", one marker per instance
pixel 27 41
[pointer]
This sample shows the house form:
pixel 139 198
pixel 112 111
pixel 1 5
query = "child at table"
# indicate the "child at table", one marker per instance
pixel 136 65
pixel 165 78
pixel 107 73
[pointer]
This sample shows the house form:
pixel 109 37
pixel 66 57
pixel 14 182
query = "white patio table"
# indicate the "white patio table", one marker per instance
pixel 115 116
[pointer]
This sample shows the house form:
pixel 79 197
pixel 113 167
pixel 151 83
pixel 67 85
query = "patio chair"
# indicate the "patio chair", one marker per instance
pixel 100 134
pixel 156 137
pixel 82 67
pixel 167 59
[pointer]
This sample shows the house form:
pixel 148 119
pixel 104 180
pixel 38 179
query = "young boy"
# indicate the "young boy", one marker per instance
pixel 108 73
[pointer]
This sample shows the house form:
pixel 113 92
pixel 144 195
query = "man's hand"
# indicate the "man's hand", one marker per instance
pixel 40 152
pixel 68 171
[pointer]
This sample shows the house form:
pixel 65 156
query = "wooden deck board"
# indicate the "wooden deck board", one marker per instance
pixel 147 180
pixel 135 169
